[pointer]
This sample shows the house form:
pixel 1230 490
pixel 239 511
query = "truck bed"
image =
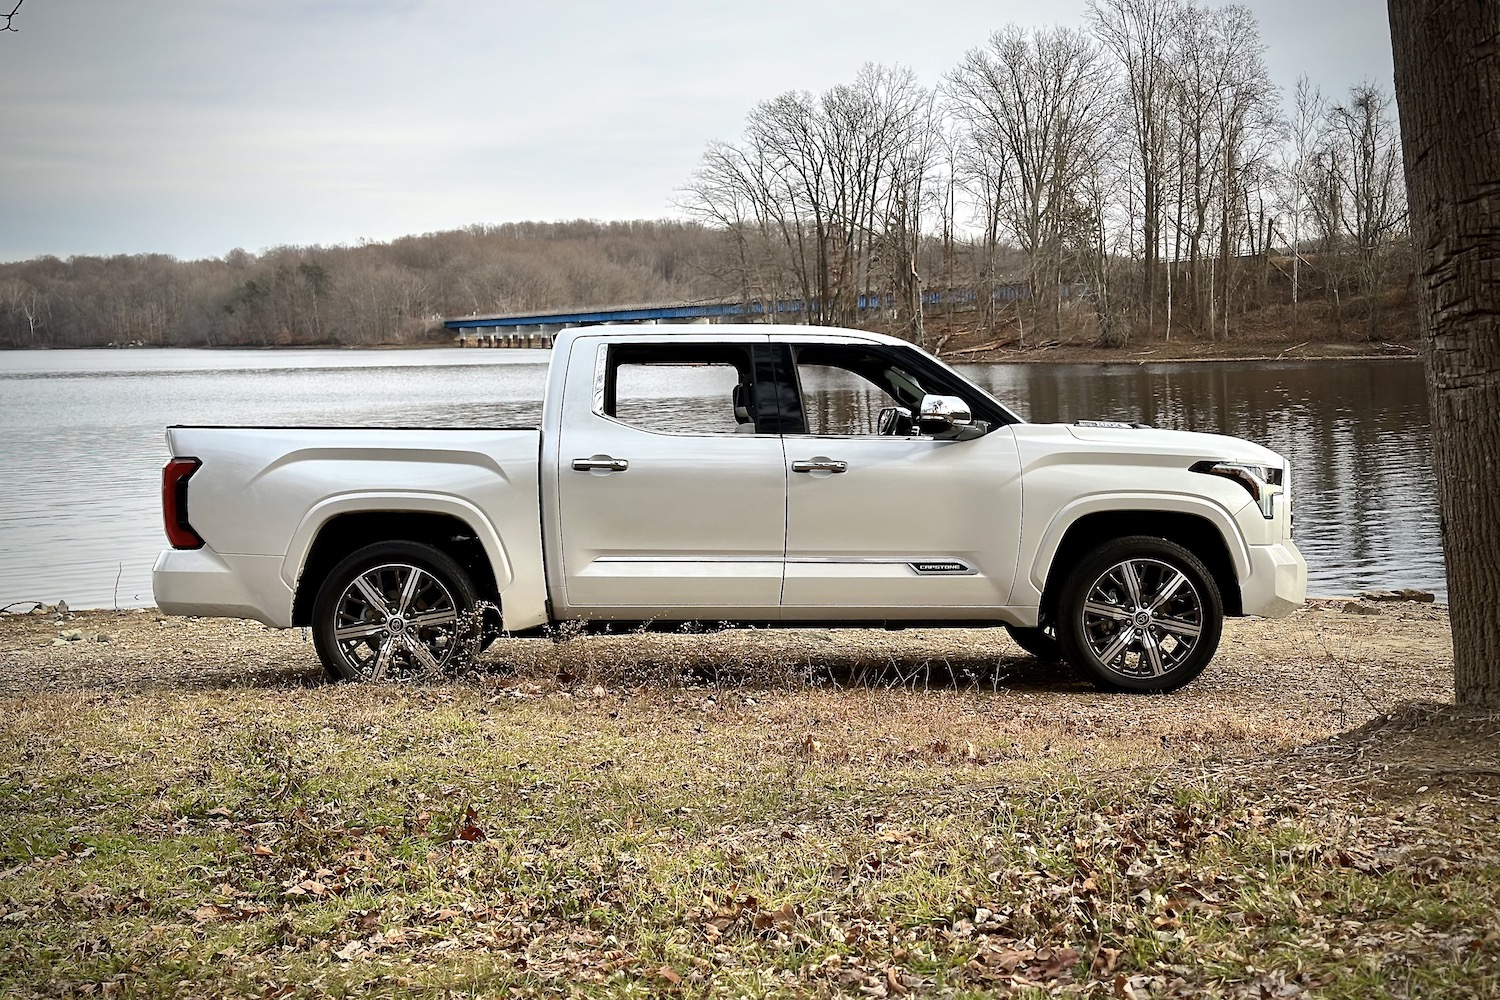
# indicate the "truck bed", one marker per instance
pixel 262 494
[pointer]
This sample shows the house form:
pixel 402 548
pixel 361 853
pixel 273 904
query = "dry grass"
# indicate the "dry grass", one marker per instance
pixel 187 809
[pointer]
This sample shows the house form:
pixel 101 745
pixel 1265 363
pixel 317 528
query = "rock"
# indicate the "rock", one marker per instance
pixel 1420 596
pixel 1356 608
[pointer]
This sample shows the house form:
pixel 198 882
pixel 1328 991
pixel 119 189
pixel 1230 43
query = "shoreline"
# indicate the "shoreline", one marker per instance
pixel 1255 352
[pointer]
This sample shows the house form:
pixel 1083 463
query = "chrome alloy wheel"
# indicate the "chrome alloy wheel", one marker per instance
pixel 1142 618
pixel 396 619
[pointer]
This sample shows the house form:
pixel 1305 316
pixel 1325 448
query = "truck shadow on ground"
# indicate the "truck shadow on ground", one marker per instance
pixel 781 661
pixel 1020 673
pixel 995 674
pixel 146 652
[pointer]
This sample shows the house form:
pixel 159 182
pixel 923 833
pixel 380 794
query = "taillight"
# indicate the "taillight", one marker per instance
pixel 174 508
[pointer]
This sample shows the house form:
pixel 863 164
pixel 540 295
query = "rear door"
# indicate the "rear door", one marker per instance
pixel 891 526
pixel 671 480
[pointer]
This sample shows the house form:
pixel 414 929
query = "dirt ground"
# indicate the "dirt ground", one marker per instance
pixel 1294 680
pixel 188 809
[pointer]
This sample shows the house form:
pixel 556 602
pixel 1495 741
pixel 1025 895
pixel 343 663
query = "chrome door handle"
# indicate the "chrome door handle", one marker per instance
pixel 820 465
pixel 600 463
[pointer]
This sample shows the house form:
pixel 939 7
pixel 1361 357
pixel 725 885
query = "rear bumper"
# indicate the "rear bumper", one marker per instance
pixel 1277 583
pixel 204 583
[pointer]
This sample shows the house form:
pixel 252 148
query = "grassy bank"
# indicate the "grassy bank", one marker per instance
pixel 186 809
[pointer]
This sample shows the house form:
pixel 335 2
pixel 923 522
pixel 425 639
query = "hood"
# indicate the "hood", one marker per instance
pixel 1153 441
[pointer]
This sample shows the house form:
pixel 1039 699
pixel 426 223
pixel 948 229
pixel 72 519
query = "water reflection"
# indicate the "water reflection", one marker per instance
pixel 81 441
pixel 1357 433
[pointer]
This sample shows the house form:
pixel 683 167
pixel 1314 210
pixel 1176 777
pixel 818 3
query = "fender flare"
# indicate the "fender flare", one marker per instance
pixel 394 502
pixel 1171 503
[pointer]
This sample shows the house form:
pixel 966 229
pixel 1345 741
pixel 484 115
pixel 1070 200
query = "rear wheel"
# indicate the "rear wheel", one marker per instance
pixel 1140 614
pixel 395 610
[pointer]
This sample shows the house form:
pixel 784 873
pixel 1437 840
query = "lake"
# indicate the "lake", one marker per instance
pixel 81 442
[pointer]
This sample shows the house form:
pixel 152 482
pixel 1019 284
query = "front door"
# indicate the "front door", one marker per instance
pixel 671 498
pixel 892 526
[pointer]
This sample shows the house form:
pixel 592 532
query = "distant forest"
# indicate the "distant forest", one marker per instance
pixel 375 293
pixel 1137 177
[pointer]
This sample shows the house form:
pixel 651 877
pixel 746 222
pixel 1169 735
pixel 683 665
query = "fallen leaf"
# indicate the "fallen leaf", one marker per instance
pixel 469 830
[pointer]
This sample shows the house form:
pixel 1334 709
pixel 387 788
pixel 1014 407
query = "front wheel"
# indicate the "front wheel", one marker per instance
pixel 394 610
pixel 1140 614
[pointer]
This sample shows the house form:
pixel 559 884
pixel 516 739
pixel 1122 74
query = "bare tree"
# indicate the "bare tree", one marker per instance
pixel 981 172
pixel 1222 120
pixel 729 192
pixel 21 303
pixel 1308 110
pixel 1364 159
pixel 1138 33
pixel 1448 90
pixel 11 17
pixel 1033 98
pixel 839 180
pixel 1094 248
pixel 1248 121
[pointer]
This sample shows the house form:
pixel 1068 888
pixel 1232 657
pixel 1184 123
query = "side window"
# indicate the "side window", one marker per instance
pixel 681 388
pixel 844 389
pixel 837 401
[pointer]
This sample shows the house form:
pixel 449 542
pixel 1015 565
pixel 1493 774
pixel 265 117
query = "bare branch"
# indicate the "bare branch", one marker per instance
pixel 8 26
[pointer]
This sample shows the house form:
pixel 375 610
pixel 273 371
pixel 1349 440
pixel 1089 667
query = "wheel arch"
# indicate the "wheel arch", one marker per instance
pixel 338 527
pixel 1205 530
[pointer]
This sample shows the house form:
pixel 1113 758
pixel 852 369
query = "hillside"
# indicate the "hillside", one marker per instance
pixel 371 294
pixel 395 293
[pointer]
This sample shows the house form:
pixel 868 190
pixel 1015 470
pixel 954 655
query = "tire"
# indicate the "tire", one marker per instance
pixel 395 610
pixel 1039 642
pixel 1128 623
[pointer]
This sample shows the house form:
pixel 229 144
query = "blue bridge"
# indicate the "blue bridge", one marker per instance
pixel 536 328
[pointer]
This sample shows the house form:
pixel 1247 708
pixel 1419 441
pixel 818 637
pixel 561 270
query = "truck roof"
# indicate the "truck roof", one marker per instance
pixel 710 331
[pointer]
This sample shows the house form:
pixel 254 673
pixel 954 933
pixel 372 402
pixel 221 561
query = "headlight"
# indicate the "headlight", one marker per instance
pixel 1262 482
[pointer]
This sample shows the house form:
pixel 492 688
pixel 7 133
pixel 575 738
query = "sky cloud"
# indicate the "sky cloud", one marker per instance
pixel 192 128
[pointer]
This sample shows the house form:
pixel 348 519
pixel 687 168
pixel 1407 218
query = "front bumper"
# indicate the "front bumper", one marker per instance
pixel 204 583
pixel 1277 583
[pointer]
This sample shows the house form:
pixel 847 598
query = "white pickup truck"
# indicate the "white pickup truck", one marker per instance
pixel 767 475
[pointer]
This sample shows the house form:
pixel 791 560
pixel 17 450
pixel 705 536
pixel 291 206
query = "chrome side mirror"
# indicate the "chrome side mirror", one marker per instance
pixel 943 416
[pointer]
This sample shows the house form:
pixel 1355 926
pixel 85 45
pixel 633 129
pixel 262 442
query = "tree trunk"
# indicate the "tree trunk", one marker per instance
pixel 1448 91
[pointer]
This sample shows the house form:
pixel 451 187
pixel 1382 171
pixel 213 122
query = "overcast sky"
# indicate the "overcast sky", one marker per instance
pixel 192 127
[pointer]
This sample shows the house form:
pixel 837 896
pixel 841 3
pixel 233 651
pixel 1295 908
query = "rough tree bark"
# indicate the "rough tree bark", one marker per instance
pixel 1447 58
